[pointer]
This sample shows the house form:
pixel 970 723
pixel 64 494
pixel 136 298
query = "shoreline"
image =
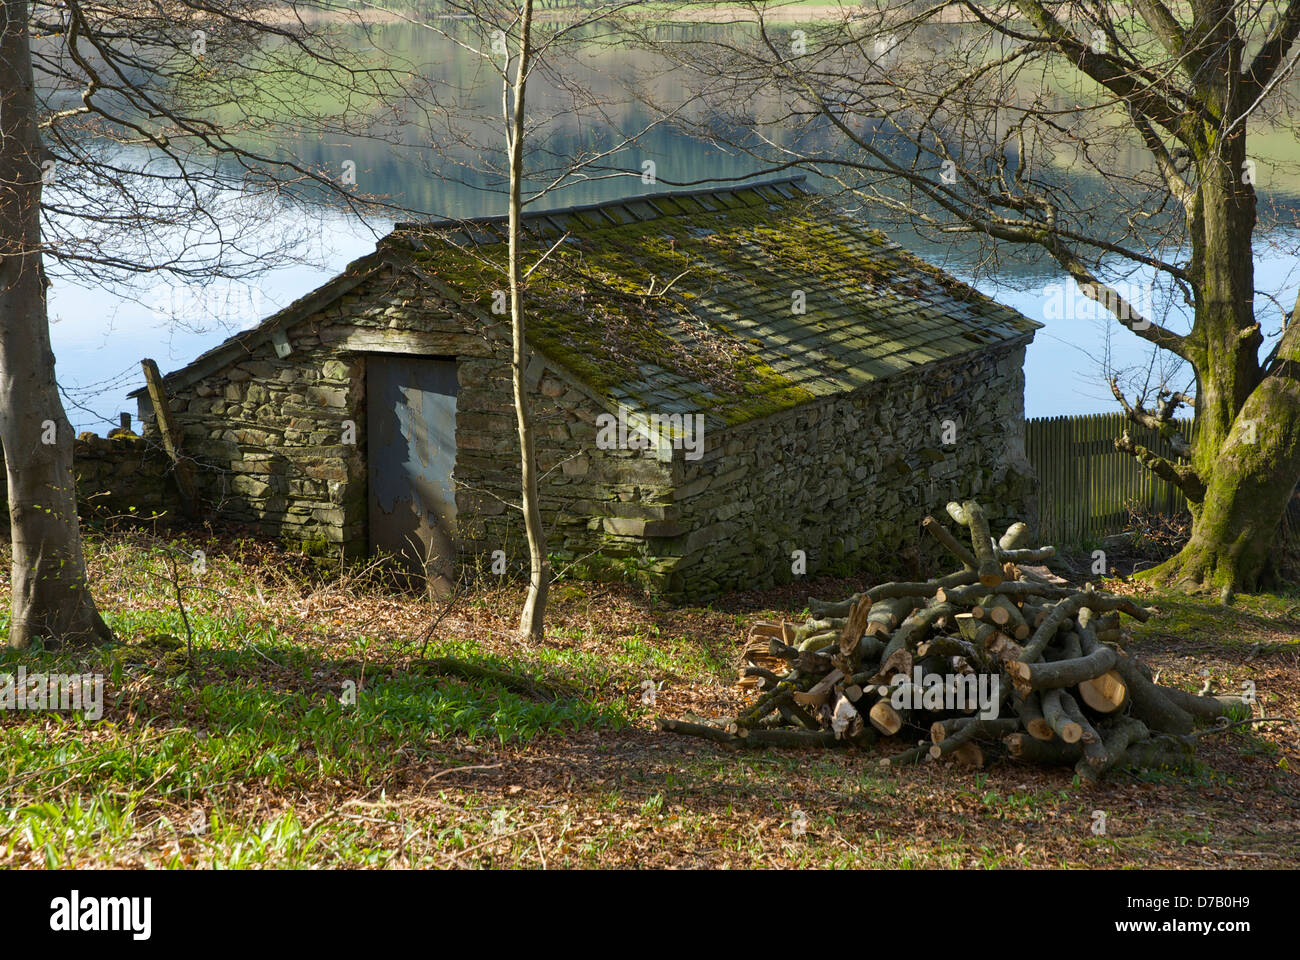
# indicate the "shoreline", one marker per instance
pixel 722 13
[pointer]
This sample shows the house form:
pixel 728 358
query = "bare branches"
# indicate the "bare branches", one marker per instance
pixel 1161 421
pixel 1161 106
pixel 1182 476
pixel 1265 68
pixel 180 126
pixel 1114 302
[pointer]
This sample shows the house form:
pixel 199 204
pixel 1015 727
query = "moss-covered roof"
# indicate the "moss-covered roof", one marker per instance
pixel 689 302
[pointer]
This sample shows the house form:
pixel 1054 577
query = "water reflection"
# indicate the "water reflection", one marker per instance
pixel 100 335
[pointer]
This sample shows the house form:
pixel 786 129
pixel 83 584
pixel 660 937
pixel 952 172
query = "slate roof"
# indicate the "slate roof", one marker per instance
pixel 685 301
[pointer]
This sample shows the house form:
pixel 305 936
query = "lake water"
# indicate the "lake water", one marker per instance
pixel 100 334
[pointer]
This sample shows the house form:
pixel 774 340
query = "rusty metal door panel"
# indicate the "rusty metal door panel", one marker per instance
pixel 411 447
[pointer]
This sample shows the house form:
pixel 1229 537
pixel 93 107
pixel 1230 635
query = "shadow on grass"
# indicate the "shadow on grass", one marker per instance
pixel 272 712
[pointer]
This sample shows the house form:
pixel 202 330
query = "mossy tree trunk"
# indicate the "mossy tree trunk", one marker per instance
pixel 1246 448
pixel 1249 469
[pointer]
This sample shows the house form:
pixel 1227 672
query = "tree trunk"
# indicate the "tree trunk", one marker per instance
pixel 51 595
pixel 532 617
pixel 1248 486
pixel 1247 444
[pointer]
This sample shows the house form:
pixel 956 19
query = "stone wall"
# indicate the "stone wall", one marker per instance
pixel 117 478
pixel 268 433
pixel 848 480
pixel 598 505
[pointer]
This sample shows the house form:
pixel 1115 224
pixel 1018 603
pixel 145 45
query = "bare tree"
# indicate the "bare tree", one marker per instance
pixel 132 137
pixel 1110 140
pixel 529 168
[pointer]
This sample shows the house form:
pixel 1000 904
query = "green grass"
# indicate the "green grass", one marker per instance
pixel 1263 619
pixel 250 756
pixel 259 707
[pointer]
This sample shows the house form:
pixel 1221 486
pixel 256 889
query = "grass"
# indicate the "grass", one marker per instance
pixel 310 729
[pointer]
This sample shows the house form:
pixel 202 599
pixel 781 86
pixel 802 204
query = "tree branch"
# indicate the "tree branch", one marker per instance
pixel 1161 422
pixel 1182 476
pixel 1270 56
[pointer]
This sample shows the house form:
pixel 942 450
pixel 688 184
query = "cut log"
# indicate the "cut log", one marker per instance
pixel 1066 673
pixel 1024 747
pixel 885 718
pixel 953 545
pixel 870 648
pixel 696 730
pixel 898 662
pixel 1006 649
pixel 1007 616
pixel 765 704
pixel 1014 537
pixel 1064 646
pixel 1019 590
pixel 1107 693
pixel 914 626
pixel 967 626
pixel 805 739
pixel 1151 704
pixel 962 729
pixel 989 567
pixel 1045 635
pixel 885 615
pixel 814 627
pixel 923 589
pixel 820 692
pixel 1072 711
pixel 1056 616
pixel 969 754
pixel 1030 711
pixel 850 654
pixel 1056 717
pixel 1035 556
pixel 1116 739
pixel 777 648
pixel 796 716
pixel 1208 708
pixel 950 647
pixel 819 641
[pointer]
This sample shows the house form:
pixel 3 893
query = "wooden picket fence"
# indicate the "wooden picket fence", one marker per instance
pixel 1085 485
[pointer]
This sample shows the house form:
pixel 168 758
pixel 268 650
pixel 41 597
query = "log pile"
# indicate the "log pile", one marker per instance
pixel 999 656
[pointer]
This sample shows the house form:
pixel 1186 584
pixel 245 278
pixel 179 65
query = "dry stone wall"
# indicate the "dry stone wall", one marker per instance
pixel 848 480
pixel 123 477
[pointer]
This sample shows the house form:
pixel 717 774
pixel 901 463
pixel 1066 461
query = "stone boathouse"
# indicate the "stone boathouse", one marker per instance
pixel 731 387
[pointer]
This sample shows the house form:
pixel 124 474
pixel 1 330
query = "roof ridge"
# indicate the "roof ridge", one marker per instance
pixel 794 181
